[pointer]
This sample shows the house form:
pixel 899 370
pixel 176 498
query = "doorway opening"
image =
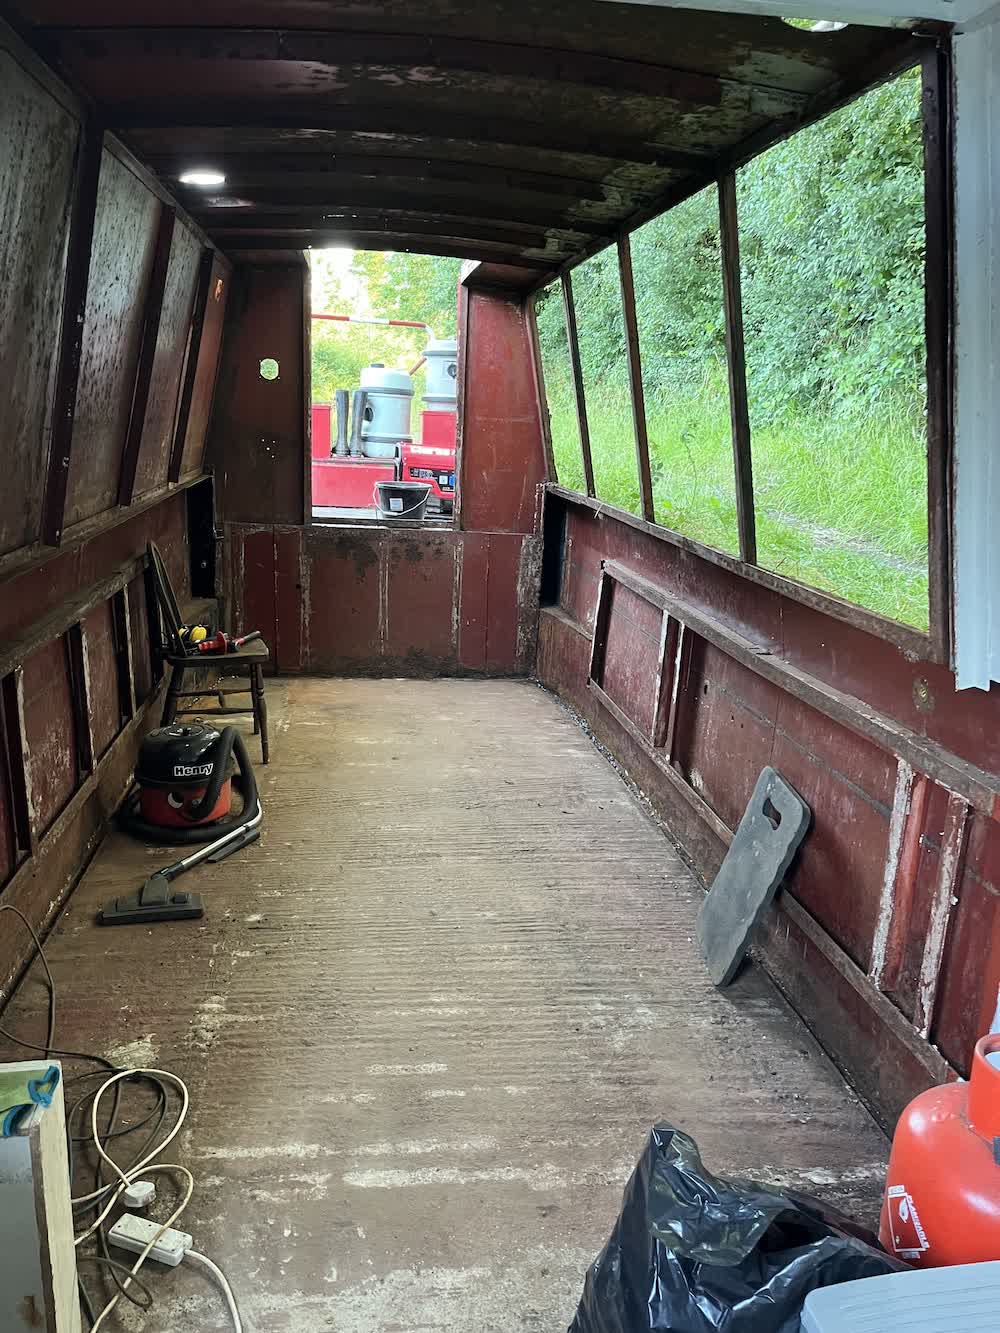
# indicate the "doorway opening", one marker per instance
pixel 384 410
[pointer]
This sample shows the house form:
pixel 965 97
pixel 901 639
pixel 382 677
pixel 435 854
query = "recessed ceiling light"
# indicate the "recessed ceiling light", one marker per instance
pixel 203 177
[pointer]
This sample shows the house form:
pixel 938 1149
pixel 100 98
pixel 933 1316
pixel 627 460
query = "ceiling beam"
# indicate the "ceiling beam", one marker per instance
pixel 414 221
pixel 399 242
pixel 318 116
pixel 416 55
pixel 473 206
pixel 370 136
pixel 518 237
pixel 269 167
pixel 871 13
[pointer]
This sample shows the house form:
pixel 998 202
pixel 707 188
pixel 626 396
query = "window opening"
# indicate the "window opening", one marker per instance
pixel 832 243
pixel 677 273
pixel 384 387
pixel 604 359
pixel 560 397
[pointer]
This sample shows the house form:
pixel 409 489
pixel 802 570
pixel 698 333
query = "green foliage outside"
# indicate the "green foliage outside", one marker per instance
pixel 382 285
pixel 832 250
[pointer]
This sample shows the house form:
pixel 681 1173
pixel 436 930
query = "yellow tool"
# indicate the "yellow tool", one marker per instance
pixel 194 633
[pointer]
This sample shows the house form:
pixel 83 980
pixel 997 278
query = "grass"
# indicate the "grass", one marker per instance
pixel 841 501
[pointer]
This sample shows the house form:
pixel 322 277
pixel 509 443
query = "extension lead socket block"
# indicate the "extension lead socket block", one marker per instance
pixel 134 1233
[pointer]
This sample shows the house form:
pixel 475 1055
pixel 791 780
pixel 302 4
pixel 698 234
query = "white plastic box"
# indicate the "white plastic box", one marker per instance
pixel 964 1299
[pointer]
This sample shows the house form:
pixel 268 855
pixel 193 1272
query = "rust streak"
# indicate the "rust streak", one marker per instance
pixel 949 876
pixel 897 824
pixel 906 880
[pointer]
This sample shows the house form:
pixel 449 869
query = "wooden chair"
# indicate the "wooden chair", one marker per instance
pixel 249 660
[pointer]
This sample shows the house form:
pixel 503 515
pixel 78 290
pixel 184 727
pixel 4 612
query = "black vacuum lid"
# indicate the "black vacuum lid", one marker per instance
pixel 179 755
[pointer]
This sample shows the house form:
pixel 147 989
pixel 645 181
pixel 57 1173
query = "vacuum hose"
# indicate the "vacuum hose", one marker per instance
pixel 230 742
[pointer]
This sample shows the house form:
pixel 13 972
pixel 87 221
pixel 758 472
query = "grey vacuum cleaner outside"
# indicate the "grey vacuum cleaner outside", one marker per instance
pixel 182 795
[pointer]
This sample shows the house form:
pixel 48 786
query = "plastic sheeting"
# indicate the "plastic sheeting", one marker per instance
pixel 692 1253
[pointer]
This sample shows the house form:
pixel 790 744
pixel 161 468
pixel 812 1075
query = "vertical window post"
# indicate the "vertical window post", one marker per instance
pixel 938 298
pixel 579 395
pixel 739 412
pixel 538 376
pixel 635 377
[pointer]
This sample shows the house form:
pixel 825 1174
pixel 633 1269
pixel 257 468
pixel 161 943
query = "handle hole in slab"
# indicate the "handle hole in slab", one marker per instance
pixel 771 813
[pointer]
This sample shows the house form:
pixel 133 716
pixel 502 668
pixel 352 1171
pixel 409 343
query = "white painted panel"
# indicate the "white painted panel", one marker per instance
pixel 22 1295
pixel 977 350
pixel 37 1255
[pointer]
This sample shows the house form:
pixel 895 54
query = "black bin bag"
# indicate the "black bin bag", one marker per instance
pixel 692 1253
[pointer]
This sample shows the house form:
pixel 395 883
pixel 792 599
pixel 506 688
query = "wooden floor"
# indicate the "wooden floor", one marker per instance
pixel 429 1019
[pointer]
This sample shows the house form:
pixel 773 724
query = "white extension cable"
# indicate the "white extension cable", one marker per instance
pixel 223 1282
pixel 149 1166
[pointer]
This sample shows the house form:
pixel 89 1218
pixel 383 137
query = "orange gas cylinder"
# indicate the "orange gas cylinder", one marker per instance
pixel 942 1196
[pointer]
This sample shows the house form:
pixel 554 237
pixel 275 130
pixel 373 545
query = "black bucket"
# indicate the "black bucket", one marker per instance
pixel 401 499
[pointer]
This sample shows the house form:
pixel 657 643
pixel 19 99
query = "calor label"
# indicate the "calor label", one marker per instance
pixel 909 1239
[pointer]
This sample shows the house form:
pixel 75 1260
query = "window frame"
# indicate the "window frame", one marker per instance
pixel 934 644
pixel 434 523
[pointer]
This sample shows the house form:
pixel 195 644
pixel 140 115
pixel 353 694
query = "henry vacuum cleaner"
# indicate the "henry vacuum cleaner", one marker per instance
pixel 184 780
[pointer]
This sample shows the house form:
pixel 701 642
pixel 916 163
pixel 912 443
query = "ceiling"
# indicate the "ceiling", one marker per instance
pixel 513 132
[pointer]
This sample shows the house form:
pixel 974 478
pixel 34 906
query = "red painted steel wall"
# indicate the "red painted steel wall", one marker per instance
pixel 258 437
pixel 370 600
pixel 74 637
pixel 501 459
pixel 124 235
pixel 36 167
pixel 168 365
pixel 731 722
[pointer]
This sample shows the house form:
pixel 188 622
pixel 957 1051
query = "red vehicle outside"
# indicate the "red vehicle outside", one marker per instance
pixel 432 458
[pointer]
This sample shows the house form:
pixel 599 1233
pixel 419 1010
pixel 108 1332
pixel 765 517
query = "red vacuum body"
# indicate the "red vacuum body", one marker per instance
pixel 173 771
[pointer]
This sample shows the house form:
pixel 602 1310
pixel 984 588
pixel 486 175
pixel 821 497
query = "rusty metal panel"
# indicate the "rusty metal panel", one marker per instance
pixel 206 374
pixel 257 608
pixel 475 557
pixel 37 143
pixel 290 603
pixel 419 581
pixel 724 728
pixel 503 603
pixel 105 693
pixel 345 598
pixel 142 662
pixel 50 732
pixel 970 969
pixel 913 899
pixel 44 587
pixel 258 433
pixel 124 238
pixel 503 451
pixel 168 361
pixel 632 656
pixel 838 874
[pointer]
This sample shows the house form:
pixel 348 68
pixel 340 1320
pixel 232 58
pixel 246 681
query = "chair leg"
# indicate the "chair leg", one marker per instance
pixel 173 690
pixel 260 710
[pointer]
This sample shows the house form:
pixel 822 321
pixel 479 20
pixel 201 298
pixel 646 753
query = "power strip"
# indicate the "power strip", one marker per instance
pixel 134 1233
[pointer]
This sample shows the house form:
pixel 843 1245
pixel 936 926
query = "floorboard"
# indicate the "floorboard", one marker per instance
pixel 429 1019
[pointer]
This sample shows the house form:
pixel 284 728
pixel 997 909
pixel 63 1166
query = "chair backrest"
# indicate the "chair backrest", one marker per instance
pixel 169 610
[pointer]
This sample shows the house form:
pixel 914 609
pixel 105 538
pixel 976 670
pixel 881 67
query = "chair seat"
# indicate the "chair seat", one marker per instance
pixel 257 651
